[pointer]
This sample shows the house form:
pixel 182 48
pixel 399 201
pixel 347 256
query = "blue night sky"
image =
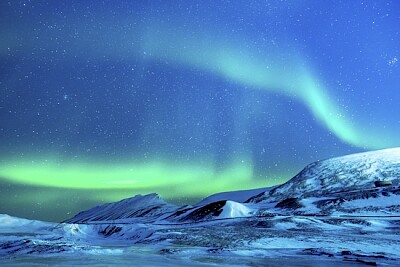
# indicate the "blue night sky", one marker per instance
pixel 101 100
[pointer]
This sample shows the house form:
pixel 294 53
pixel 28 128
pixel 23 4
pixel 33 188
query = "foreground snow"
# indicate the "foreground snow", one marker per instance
pixel 287 240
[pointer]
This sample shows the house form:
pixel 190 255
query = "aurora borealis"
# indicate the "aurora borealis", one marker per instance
pixel 101 100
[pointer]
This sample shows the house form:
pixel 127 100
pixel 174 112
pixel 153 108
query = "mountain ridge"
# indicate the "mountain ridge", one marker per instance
pixel 322 187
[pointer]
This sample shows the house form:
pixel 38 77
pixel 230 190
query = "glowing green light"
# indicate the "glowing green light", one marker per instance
pixel 280 71
pixel 164 178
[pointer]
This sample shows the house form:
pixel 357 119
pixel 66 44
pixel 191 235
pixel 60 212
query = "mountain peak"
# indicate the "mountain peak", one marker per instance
pixel 144 206
pixel 351 172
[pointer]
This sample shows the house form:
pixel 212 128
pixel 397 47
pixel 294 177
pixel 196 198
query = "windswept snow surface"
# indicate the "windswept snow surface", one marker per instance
pixel 381 202
pixel 252 241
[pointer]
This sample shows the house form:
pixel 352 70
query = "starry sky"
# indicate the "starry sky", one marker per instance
pixel 102 100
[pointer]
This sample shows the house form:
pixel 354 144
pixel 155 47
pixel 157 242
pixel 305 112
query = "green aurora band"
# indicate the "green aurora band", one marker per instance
pixel 167 177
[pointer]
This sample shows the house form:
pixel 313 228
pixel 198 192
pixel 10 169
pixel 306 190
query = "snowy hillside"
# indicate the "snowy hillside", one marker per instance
pixel 352 172
pixel 145 207
pixel 9 224
pixel 223 209
pixel 237 196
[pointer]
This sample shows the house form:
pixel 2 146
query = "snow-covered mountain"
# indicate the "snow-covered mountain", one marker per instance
pixel 331 209
pixel 237 196
pixel 223 209
pixel 336 185
pixel 146 208
pixel 9 224
pixel 348 173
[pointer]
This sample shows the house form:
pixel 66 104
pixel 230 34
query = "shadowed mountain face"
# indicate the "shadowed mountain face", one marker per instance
pixel 206 212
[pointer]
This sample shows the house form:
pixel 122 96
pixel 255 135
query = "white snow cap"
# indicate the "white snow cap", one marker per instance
pixel 234 210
